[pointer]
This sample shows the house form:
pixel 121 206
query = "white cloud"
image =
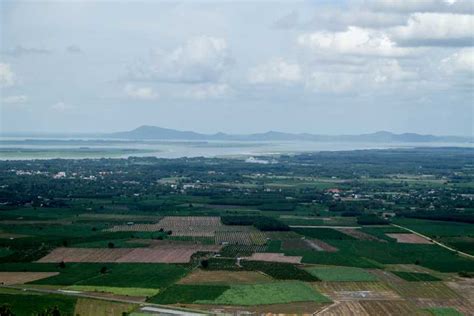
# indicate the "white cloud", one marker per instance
pixel 436 29
pixel 369 77
pixel 7 77
pixel 412 6
pixel 208 91
pixel 353 41
pixel 14 99
pixel 275 71
pixel 201 59
pixel 461 61
pixel 141 93
pixel 61 107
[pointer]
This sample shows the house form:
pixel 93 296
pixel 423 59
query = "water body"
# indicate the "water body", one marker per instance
pixel 21 148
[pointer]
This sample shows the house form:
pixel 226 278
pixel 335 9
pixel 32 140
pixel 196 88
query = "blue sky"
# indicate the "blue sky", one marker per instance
pixel 325 67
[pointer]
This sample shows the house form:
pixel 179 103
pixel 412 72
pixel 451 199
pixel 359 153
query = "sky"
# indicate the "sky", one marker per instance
pixel 322 67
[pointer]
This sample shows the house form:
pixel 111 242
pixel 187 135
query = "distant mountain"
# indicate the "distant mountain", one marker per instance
pixel 147 132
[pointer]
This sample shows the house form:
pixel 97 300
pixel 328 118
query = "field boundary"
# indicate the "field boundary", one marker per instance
pixel 435 242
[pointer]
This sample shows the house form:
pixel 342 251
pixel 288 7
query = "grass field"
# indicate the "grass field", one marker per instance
pixel 342 274
pixel 413 276
pixel 126 291
pixel 27 305
pixel 436 228
pixel 270 293
pixel 248 294
pixel 180 293
pixel 443 311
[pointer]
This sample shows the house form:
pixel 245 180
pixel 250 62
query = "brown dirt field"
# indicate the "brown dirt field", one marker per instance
pixel 465 287
pixel 409 239
pixel 356 233
pixel 273 257
pixel 9 278
pixel 386 308
pixel 462 305
pixel 159 254
pixel 225 277
pixel 299 308
pixel 316 243
pixel 300 244
pixel 91 307
pixel 349 291
pixel 345 308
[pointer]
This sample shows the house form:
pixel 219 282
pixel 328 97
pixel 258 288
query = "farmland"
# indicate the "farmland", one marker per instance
pixel 227 235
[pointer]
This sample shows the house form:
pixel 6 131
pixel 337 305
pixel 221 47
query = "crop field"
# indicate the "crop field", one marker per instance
pixel 90 307
pixel 123 291
pixel 184 293
pixel 159 254
pixel 34 304
pixel 233 251
pixel 273 257
pixel 278 270
pixel 409 239
pixel 415 276
pixel 241 237
pixel 194 226
pixel 269 293
pixel 306 244
pixel 443 311
pixel 245 295
pixel 323 233
pixel 225 277
pixel 228 236
pixel 139 275
pixel 391 308
pixel 8 278
pixel 358 234
pixel 341 274
pixel 347 291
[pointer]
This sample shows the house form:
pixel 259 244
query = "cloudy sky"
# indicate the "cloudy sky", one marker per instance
pixel 326 67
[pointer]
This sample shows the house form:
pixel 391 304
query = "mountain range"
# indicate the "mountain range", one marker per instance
pixel 147 132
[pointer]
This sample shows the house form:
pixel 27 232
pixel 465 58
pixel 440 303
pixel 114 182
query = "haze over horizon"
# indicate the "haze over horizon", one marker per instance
pixel 322 67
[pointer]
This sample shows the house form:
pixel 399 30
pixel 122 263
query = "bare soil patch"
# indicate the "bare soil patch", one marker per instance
pixel 8 278
pixel 158 254
pixel 225 277
pixel 273 257
pixel 409 238
pixel 356 233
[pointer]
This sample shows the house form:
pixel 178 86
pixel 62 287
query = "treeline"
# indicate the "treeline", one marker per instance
pixel 448 217
pixel 262 223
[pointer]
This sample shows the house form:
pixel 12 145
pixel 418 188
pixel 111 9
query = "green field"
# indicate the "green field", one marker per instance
pixel 414 276
pixel 179 293
pixel 270 293
pixel 127 291
pixel 26 305
pixel 322 233
pixel 255 294
pixel 341 274
pixel 444 311
pixel 140 275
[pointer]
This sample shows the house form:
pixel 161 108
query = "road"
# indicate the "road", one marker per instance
pixel 150 307
pixel 435 242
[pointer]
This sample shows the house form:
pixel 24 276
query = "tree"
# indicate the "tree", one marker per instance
pixel 111 245
pixel 62 265
pixel 205 264
pixel 103 270
pixel 5 310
